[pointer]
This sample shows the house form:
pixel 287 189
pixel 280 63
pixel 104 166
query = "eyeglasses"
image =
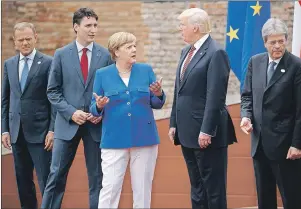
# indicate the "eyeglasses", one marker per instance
pixel 273 43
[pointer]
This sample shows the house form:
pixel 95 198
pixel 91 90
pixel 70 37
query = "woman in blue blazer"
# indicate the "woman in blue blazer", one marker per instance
pixel 124 95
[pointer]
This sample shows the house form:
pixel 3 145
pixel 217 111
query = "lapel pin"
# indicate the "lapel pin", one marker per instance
pixel 39 62
pixel 98 54
pixel 201 53
pixel 282 71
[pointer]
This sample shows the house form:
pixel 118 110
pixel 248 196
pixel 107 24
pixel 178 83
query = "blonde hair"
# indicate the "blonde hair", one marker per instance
pixel 119 39
pixel 197 16
pixel 23 25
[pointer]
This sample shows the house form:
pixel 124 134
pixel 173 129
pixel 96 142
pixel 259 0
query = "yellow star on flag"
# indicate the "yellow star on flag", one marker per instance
pixel 256 8
pixel 232 34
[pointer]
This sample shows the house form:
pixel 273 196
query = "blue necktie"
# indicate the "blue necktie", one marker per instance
pixel 24 74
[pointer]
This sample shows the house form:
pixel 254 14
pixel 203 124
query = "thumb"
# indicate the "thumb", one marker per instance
pixel 95 95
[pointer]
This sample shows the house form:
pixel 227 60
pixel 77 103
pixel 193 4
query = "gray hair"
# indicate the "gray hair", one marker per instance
pixel 23 25
pixel 197 16
pixel 273 26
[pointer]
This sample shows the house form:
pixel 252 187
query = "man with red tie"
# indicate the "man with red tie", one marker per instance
pixel 70 91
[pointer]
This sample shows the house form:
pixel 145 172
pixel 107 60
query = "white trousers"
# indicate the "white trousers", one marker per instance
pixel 142 167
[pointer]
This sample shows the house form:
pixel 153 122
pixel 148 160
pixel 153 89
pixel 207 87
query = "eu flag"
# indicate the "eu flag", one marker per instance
pixel 244 24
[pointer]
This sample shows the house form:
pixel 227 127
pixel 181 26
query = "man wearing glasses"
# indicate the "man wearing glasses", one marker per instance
pixel 271 112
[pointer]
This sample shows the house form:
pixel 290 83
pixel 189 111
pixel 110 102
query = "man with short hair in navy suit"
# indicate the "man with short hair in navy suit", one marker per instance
pixel 70 91
pixel 27 116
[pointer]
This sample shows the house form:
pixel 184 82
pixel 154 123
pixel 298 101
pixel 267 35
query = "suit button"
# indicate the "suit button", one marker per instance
pixel 128 103
pixel 127 92
pixel 129 114
pixel 149 122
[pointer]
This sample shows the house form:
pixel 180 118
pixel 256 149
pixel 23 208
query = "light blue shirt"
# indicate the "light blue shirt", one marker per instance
pixel 29 61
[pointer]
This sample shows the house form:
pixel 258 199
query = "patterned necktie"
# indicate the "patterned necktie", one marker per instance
pixel 271 70
pixel 84 64
pixel 24 74
pixel 187 61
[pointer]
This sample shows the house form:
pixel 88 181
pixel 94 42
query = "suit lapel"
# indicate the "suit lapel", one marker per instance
pixel 74 59
pixel 185 52
pixel 196 58
pixel 279 71
pixel 36 63
pixel 95 58
pixel 15 74
pixel 262 72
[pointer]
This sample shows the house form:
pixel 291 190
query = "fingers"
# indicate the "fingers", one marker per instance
pixel 48 143
pixel 6 142
pixel 171 134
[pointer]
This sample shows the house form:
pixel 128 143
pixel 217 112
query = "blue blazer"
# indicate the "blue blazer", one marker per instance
pixel 128 119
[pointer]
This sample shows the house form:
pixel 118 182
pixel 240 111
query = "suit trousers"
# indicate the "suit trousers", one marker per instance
pixel 63 155
pixel 28 156
pixel 284 173
pixel 207 169
pixel 142 167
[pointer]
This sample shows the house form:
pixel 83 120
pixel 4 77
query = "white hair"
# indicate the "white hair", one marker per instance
pixel 197 16
pixel 273 26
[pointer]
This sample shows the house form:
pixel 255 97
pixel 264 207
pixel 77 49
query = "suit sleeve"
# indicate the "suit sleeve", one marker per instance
pixel 296 142
pixel 52 108
pixel 97 88
pixel 54 89
pixel 5 101
pixel 246 94
pixel 172 123
pixel 217 83
pixel 155 102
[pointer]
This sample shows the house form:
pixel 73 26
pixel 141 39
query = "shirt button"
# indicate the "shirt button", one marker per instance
pixel 128 103
pixel 129 114
pixel 127 92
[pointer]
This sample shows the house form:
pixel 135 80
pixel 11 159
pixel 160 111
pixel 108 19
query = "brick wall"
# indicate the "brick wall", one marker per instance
pixel 154 24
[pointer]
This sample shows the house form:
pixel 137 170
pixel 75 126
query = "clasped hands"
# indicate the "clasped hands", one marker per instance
pixel 80 117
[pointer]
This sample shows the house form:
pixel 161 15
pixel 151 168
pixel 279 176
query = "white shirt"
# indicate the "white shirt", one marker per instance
pixel 126 81
pixel 89 52
pixel 277 61
pixel 197 45
pixel 29 61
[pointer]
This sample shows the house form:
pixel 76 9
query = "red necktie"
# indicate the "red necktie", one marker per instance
pixel 187 61
pixel 84 64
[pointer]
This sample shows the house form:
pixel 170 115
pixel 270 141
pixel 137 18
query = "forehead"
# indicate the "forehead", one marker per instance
pixel 24 32
pixel 275 37
pixel 88 20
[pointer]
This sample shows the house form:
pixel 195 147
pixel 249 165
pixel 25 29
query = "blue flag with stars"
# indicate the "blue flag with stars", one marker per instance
pixel 244 24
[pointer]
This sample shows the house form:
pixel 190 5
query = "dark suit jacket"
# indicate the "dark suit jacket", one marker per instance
pixel 274 109
pixel 68 92
pixel 199 100
pixel 30 108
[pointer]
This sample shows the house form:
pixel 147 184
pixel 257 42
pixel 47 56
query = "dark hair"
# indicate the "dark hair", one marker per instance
pixel 81 13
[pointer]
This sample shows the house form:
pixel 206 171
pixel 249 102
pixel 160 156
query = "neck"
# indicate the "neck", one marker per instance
pixel 83 43
pixel 197 37
pixel 123 67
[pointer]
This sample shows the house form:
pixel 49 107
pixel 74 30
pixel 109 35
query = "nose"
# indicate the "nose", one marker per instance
pixel 94 29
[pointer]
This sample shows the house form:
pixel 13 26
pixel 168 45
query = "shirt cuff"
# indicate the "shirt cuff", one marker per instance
pixel 205 134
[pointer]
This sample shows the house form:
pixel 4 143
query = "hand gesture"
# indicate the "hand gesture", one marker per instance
pixel 100 101
pixel 156 87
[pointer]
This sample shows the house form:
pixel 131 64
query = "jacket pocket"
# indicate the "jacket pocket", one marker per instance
pixel 111 93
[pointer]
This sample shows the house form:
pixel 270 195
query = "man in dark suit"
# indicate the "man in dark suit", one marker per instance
pixel 27 116
pixel 199 121
pixel 271 112
pixel 70 91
